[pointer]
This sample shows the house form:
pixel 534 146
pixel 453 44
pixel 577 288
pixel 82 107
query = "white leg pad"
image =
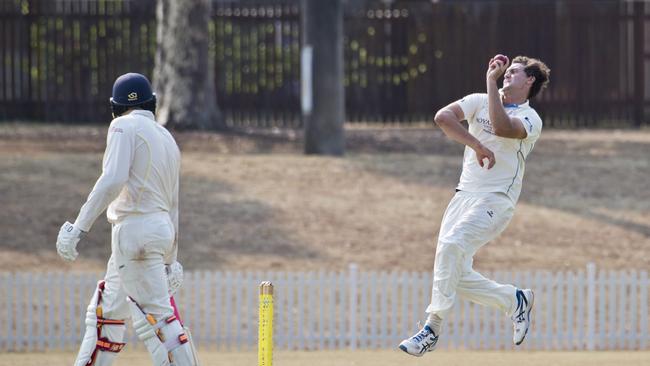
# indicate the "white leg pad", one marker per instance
pixel 195 356
pixel 100 346
pixel 165 340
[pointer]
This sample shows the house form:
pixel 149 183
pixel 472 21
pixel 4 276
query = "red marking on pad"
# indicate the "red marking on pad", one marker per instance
pixel 176 312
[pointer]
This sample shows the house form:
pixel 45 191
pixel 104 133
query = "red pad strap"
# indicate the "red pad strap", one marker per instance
pixel 102 321
pixel 182 338
pixel 170 319
pixel 100 289
pixel 104 344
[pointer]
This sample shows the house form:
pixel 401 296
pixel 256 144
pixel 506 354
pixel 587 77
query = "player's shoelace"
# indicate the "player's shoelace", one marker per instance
pixel 422 338
pixel 423 334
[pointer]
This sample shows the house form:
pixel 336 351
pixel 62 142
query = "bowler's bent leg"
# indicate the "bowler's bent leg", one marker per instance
pixel 476 288
pixel 446 276
pixel 471 221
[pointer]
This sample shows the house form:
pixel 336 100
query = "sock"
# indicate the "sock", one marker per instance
pixel 434 322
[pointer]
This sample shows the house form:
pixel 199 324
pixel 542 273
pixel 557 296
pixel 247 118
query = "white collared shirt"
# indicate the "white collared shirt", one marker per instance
pixel 140 172
pixel 507 174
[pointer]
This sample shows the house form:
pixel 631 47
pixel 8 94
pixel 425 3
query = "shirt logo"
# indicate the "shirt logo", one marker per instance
pixel 486 124
pixel 132 96
pixel 117 129
pixel 490 213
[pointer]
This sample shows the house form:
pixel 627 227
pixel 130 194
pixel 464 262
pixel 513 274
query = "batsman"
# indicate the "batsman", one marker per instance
pixel 138 188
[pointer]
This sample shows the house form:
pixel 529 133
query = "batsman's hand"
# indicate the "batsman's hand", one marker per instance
pixel 66 242
pixel 174 276
pixel 483 153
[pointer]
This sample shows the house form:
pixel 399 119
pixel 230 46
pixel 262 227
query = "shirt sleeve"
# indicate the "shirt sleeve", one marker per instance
pixel 470 104
pixel 120 146
pixel 173 213
pixel 533 125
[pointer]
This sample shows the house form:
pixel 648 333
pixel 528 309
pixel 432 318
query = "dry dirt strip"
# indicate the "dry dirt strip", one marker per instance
pixel 362 358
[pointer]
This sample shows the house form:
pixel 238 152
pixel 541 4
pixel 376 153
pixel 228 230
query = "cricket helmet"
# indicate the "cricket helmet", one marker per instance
pixel 132 90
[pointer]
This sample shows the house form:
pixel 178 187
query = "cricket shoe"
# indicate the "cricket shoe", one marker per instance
pixel 424 341
pixel 521 316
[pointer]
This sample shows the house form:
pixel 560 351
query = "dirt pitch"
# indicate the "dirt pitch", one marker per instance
pixel 362 358
pixel 252 200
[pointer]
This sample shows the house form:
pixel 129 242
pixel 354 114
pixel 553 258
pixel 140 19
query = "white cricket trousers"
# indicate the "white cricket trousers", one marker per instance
pixel 139 245
pixel 136 268
pixel 470 221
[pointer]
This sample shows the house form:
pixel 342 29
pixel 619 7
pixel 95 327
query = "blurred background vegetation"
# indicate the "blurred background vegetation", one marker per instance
pixel 403 59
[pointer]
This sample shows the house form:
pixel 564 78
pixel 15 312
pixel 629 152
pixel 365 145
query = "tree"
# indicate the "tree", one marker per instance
pixel 322 27
pixel 184 69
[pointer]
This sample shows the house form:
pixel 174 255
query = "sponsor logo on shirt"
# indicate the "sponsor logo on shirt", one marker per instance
pixel 117 129
pixel 486 124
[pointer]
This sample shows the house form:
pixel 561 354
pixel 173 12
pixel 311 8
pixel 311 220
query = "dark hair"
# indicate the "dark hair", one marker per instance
pixel 149 105
pixel 537 69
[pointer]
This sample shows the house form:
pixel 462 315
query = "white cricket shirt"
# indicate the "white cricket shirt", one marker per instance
pixel 140 175
pixel 507 174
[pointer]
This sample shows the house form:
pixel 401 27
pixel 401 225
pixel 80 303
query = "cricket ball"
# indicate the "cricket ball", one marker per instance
pixel 502 58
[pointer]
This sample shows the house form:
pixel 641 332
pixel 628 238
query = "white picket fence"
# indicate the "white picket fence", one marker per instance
pixel 583 310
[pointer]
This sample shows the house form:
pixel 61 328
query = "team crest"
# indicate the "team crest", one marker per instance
pixel 132 96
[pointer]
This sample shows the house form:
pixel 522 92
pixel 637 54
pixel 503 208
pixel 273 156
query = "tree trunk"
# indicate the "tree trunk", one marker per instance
pixel 184 70
pixel 322 28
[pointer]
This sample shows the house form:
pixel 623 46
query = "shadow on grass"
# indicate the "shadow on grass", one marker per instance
pixel 217 224
pixel 39 194
pixel 575 177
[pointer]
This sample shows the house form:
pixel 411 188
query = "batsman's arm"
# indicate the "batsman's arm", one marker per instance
pixel 115 172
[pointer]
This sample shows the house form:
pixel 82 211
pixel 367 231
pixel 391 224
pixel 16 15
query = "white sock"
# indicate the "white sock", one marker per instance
pixel 434 322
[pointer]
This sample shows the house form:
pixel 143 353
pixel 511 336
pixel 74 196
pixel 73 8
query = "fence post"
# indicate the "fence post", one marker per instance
pixel 29 287
pixel 591 306
pixel 20 305
pixel 643 300
pixel 9 301
pixel 352 326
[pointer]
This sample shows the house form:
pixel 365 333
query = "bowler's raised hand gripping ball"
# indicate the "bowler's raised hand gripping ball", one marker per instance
pixel 502 58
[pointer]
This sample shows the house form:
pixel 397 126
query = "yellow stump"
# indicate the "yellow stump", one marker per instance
pixel 265 340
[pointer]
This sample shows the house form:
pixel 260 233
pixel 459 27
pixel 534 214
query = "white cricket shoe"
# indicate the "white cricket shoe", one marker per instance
pixel 521 316
pixel 424 341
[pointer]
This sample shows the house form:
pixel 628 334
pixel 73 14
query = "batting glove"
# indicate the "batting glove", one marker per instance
pixel 174 277
pixel 66 242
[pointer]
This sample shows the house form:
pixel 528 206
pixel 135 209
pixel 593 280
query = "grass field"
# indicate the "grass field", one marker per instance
pixel 362 358
pixel 254 201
